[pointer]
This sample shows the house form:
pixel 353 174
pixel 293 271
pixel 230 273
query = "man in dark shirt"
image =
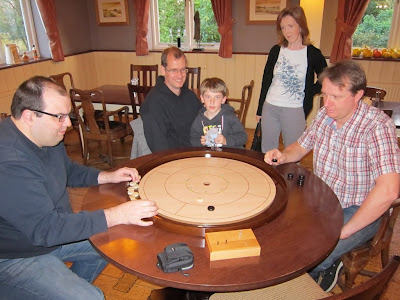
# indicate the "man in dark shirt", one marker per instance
pixel 170 108
pixel 38 230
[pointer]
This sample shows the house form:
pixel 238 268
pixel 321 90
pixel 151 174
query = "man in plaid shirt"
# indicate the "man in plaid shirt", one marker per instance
pixel 355 153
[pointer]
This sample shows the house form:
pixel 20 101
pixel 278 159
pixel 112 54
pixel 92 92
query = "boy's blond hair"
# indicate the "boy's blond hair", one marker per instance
pixel 214 84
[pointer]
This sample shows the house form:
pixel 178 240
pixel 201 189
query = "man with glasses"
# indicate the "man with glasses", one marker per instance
pixel 38 230
pixel 169 108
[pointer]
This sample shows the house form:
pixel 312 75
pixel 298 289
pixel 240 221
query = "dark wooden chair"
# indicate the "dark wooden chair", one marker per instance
pixel 373 288
pixel 3 116
pixel 137 94
pixel 356 260
pixel 375 95
pixel 244 102
pixel 66 81
pixel 146 74
pixel 193 78
pixel 101 131
pixel 305 288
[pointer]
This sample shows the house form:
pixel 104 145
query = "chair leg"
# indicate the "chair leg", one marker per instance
pixel 110 158
pixel 85 152
pixel 353 263
pixel 81 142
pixel 385 256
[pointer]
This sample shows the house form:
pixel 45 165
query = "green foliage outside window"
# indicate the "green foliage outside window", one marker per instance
pixel 12 28
pixel 208 25
pixel 172 17
pixel 374 28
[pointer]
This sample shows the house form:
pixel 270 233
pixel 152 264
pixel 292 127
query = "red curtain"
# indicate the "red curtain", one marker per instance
pixel 142 12
pixel 223 15
pixel 47 10
pixel 350 13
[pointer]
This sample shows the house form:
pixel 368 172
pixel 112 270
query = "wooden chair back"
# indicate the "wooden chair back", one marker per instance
pixel 374 94
pixel 146 74
pixel 101 131
pixel 64 80
pixel 137 95
pixel 3 116
pixel 244 102
pixel 356 260
pixel 193 78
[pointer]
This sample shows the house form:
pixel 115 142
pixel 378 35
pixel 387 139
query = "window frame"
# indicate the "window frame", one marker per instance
pixel 29 30
pixel 153 35
pixel 394 34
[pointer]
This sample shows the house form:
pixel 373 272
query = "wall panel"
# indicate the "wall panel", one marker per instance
pixel 97 68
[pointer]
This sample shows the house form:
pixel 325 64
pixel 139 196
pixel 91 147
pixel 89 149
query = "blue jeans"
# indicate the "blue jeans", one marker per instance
pixel 343 246
pixel 47 277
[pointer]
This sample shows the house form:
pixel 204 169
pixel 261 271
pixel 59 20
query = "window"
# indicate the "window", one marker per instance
pixel 378 24
pixel 16 25
pixel 173 18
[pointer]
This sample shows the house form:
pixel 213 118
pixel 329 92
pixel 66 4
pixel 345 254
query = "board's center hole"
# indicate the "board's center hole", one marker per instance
pixel 206 183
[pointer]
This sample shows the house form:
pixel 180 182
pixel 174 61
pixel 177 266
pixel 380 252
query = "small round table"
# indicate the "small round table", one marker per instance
pixel 300 232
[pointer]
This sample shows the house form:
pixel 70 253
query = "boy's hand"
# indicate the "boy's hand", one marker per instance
pixel 203 140
pixel 220 139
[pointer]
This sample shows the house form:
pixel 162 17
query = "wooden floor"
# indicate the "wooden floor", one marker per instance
pixel 117 284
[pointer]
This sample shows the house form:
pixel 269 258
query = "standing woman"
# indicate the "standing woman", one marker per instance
pixel 288 85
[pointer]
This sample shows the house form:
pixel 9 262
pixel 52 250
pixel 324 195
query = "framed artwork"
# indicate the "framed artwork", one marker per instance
pixel 264 11
pixel 112 12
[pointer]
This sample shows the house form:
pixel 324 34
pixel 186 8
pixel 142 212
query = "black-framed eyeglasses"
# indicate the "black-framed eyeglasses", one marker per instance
pixel 60 117
pixel 176 71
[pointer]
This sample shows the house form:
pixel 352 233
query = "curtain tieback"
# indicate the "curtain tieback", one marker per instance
pixel 345 28
pixel 227 26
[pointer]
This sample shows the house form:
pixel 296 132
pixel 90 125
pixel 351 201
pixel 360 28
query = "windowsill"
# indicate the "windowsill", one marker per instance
pixel 33 61
pixel 30 61
pixel 376 59
pixel 187 50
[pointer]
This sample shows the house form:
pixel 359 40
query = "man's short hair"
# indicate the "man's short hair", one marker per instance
pixel 346 74
pixel 176 52
pixel 29 95
pixel 214 84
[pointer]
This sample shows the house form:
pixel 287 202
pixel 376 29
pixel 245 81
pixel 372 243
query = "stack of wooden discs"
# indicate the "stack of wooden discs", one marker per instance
pixel 133 190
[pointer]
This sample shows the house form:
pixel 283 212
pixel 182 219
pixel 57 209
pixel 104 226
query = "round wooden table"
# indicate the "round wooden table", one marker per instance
pixel 294 240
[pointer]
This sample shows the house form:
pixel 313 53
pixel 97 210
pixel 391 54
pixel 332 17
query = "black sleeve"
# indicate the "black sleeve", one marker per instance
pixel 155 125
pixel 319 64
pixel 196 132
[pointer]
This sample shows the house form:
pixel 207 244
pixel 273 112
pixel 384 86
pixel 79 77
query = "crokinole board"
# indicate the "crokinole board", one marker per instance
pixel 212 191
pixel 206 190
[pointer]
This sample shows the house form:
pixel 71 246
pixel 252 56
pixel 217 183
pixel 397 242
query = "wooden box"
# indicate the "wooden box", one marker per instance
pixel 232 244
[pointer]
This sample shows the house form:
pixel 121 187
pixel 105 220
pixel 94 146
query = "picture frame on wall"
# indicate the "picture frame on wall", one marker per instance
pixel 264 11
pixel 112 12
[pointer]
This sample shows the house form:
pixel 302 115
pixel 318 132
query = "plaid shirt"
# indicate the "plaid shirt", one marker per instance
pixel 351 158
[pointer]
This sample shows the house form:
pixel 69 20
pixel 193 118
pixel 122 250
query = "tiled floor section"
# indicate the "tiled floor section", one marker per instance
pixel 118 285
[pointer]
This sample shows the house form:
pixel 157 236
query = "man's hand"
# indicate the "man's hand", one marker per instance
pixel 274 157
pixel 131 213
pixel 203 140
pixel 120 175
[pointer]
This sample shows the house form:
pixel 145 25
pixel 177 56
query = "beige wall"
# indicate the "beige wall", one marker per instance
pixel 97 68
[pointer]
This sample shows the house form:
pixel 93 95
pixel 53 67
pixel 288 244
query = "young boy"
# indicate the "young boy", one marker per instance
pixel 216 118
